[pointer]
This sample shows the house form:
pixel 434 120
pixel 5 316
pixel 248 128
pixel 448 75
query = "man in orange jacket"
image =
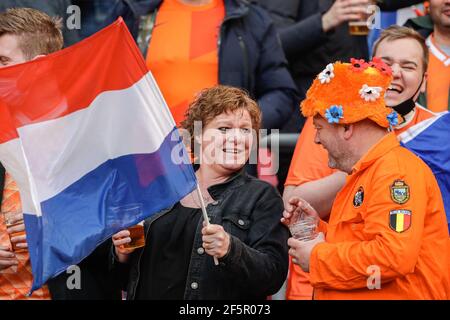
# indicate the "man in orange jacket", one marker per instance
pixel 310 177
pixel 387 236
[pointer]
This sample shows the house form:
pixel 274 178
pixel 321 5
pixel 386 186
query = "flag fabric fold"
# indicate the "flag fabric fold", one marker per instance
pixel 429 140
pixel 89 139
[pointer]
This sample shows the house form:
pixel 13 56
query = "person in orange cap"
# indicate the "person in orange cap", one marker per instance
pixel 310 178
pixel 387 235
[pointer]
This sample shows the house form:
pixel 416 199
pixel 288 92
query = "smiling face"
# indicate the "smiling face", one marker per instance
pixel 405 57
pixel 328 136
pixel 227 140
pixel 440 13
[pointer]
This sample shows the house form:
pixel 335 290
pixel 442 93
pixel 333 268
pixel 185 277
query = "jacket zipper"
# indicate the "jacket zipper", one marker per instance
pixel 219 41
pixel 246 63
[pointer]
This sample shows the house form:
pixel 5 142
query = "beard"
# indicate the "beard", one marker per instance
pixel 332 163
pixel 443 22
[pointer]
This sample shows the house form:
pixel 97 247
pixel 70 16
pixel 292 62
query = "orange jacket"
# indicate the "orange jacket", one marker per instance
pixel 389 217
pixel 309 163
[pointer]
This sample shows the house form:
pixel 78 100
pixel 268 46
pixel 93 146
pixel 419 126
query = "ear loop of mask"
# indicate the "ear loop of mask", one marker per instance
pixel 406 106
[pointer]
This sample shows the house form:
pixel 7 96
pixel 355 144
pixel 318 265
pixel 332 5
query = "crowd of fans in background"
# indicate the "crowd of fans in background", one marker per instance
pixel 273 49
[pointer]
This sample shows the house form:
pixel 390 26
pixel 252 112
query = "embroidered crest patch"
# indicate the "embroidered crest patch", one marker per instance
pixel 399 192
pixel 400 220
pixel 358 198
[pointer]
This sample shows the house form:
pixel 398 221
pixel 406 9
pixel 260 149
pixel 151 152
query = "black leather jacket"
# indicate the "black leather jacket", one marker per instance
pixel 257 263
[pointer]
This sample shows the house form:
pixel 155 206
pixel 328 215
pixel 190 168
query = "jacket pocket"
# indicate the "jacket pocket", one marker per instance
pixel 236 225
pixel 355 227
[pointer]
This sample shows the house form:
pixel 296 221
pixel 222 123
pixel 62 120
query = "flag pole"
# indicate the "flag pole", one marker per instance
pixel 205 215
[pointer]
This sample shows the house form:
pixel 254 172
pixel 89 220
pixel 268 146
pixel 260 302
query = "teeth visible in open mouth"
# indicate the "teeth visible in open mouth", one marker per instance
pixel 395 88
pixel 230 151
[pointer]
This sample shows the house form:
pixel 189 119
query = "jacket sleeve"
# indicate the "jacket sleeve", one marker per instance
pixel 347 265
pixel 303 36
pixel 262 262
pixel 275 90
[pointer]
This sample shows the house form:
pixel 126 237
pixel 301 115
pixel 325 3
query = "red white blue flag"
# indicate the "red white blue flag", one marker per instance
pixel 87 135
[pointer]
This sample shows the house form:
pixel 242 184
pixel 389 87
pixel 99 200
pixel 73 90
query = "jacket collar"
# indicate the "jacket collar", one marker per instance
pixel 436 51
pixel 143 7
pixel 386 144
pixel 423 22
pixel 233 8
pixel 237 179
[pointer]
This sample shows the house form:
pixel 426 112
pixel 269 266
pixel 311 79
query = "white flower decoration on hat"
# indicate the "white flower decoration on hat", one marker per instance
pixel 326 75
pixel 370 93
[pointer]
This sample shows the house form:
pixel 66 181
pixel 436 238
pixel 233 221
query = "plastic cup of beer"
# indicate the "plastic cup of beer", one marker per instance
pixel 358 28
pixel 12 219
pixel 361 26
pixel 137 236
pixel 304 228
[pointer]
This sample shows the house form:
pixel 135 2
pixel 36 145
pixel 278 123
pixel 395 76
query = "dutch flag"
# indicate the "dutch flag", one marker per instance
pixel 90 141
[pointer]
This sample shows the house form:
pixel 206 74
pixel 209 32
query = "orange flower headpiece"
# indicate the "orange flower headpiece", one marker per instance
pixel 350 92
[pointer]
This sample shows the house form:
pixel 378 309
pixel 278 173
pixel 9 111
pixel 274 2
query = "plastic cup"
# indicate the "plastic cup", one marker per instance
pixel 137 236
pixel 305 228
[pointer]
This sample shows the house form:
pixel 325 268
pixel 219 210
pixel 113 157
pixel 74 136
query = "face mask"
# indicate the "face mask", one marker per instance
pixel 406 106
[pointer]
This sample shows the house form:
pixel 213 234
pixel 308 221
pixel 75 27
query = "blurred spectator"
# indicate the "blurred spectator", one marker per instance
pixel 97 14
pixel 194 44
pixel 313 34
pixel 436 28
pixel 22 35
pixel 52 8
pixel 247 53
pixel 216 41
pixel 392 5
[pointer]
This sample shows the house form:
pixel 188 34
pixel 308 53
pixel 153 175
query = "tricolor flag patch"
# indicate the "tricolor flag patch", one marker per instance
pixel 400 220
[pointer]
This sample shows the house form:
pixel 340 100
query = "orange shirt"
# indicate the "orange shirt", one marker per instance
pixel 397 229
pixel 309 163
pixel 183 52
pixel 438 83
pixel 15 282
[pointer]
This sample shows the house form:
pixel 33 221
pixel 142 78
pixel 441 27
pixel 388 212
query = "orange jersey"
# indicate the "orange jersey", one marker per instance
pixel 15 282
pixel 438 83
pixel 183 51
pixel 387 237
pixel 309 163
